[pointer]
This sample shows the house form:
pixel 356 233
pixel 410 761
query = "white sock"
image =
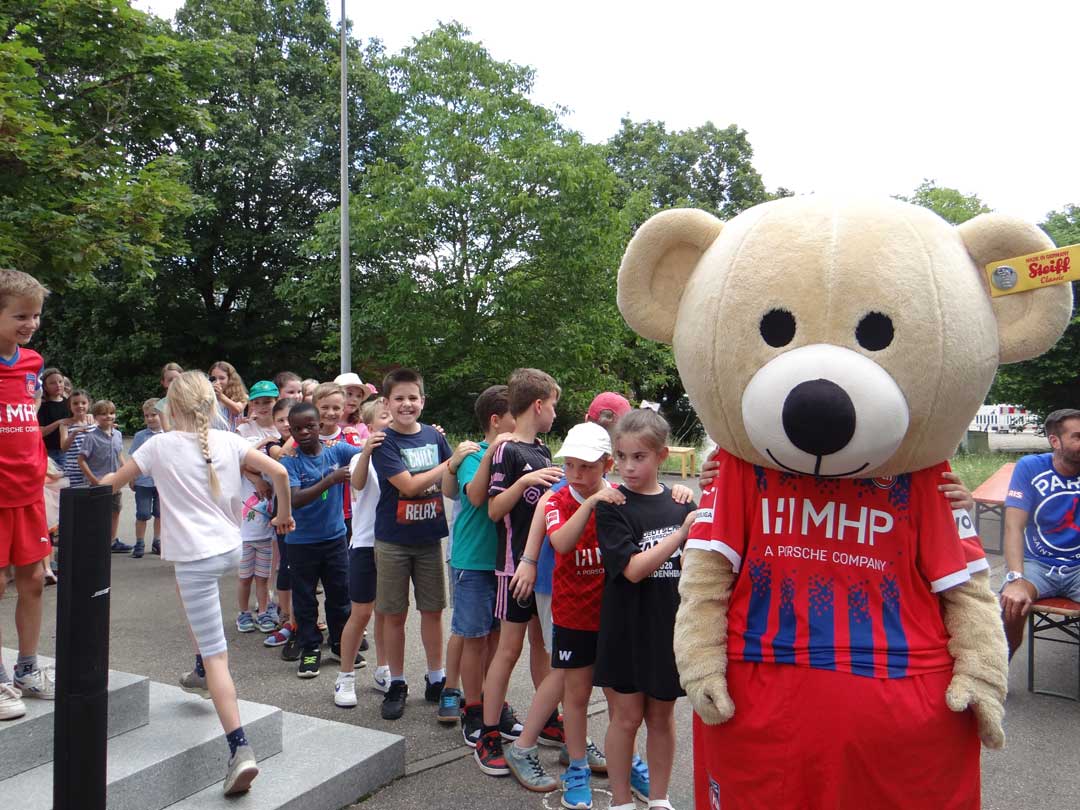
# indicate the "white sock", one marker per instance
pixel 436 675
pixel 394 677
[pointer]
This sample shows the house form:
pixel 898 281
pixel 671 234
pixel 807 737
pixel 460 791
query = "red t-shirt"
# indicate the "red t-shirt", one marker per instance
pixel 349 437
pixel 22 473
pixel 837 573
pixel 577 583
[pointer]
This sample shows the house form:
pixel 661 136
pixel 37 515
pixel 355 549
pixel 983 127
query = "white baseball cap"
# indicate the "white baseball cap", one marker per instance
pixel 587 441
pixel 348 378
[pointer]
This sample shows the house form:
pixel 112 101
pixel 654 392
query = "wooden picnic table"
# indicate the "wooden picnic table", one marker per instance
pixel 989 499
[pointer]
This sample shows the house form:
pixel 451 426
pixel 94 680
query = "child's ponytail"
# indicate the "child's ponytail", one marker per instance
pixel 191 402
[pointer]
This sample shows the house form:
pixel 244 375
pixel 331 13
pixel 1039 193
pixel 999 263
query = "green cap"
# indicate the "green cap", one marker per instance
pixel 263 388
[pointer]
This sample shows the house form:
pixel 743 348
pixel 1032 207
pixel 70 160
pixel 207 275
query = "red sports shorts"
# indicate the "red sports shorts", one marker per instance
pixel 814 739
pixel 24 534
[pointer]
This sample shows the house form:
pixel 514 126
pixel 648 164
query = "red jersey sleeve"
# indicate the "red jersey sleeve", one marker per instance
pixel 721 524
pixel 969 539
pixel 941 556
pixel 554 515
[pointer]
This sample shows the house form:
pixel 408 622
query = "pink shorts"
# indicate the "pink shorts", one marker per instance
pixel 24 534
pixel 817 739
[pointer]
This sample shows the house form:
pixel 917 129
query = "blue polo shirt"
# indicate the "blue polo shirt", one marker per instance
pixel 324 518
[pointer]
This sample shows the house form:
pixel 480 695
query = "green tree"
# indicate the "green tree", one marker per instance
pixel 90 91
pixel 262 170
pixel 487 240
pixel 1052 380
pixel 948 203
pixel 704 167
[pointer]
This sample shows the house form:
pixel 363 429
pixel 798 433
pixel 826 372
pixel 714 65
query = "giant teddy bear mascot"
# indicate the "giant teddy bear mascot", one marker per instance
pixel 837 634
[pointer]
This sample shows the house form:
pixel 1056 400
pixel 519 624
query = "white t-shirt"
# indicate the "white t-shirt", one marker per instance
pixel 257 512
pixel 194 524
pixel 364 502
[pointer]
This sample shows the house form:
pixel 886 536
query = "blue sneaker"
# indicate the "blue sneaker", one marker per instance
pixel 577 795
pixel 244 622
pixel 265 622
pixel 639 778
pixel 121 548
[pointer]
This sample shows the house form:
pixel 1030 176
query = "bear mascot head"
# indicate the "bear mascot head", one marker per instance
pixel 836 352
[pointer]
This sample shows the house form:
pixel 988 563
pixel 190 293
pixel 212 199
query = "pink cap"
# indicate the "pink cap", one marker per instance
pixel 608 401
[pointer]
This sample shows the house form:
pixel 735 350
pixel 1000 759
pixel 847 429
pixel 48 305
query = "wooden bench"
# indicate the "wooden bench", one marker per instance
pixel 684 454
pixel 989 499
pixel 1049 620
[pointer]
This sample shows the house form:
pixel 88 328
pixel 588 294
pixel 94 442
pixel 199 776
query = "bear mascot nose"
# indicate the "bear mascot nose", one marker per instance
pixel 819 417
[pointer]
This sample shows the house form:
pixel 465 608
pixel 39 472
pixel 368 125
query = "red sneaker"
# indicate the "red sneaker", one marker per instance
pixel 489 754
pixel 553 733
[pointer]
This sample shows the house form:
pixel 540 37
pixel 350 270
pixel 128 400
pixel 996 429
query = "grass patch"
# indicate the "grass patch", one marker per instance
pixel 974 468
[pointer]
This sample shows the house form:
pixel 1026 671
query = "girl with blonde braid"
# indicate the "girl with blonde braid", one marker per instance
pixel 197 474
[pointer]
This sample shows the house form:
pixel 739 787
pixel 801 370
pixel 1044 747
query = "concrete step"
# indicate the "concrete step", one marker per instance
pixel 324 766
pixel 181 751
pixel 27 742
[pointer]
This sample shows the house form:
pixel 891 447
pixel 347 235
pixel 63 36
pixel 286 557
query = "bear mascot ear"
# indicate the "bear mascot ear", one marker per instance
pixel 658 264
pixel 1029 323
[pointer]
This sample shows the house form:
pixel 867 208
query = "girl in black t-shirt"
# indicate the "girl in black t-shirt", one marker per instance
pixel 51 413
pixel 641 543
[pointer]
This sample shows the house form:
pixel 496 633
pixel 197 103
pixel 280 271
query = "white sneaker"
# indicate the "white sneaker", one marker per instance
pixel 345 690
pixel 11 705
pixel 382 679
pixel 39 683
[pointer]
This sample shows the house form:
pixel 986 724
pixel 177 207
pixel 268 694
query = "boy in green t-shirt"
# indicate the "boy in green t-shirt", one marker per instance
pixel 472 563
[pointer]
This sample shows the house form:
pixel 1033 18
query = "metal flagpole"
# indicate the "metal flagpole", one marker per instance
pixel 346 314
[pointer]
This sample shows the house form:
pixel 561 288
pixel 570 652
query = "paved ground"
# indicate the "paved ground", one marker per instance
pixel 1037 768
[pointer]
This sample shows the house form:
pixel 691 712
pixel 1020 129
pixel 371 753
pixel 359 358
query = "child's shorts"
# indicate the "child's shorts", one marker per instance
pixel 573 649
pixel 474 603
pixel 255 559
pixel 510 609
pixel 146 503
pixel 362 575
pixel 396 564
pixel 24 534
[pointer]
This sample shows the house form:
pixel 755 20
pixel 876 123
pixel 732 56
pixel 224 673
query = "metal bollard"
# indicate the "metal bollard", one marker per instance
pixel 80 741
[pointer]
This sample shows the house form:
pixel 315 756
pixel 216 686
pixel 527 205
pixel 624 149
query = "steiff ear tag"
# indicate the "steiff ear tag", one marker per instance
pixel 1034 270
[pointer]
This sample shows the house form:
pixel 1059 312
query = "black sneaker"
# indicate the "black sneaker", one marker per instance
pixel 552 733
pixel 291 650
pixel 472 723
pixel 155 547
pixel 335 654
pixel 489 755
pixel 393 705
pixel 433 691
pixel 309 663
pixel 363 643
pixel 509 725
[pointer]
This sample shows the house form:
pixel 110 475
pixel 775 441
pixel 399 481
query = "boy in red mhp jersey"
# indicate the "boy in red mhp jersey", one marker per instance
pixel 24 531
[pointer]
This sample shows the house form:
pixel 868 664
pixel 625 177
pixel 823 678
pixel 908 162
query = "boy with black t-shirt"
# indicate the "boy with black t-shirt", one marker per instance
pixel 521 473
pixel 410 523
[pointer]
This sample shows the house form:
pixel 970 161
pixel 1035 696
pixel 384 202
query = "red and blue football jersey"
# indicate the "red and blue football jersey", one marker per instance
pixel 22 473
pixel 838 574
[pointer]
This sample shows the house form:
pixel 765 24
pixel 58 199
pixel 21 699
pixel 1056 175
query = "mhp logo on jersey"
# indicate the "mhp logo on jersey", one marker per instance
pixel 31 383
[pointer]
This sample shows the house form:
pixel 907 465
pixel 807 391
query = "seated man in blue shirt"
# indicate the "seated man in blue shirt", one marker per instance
pixel 1042 525
pixel 318 549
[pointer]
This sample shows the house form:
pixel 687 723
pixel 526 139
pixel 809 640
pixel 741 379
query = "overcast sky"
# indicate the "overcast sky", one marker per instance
pixel 837 96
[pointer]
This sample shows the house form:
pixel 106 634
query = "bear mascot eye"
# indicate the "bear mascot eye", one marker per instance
pixel 777 327
pixel 874 332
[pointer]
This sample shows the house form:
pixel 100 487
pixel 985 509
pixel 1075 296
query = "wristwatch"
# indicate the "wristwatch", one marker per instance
pixel 1012 576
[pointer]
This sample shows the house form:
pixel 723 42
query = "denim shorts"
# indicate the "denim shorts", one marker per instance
pixel 474 603
pixel 146 503
pixel 1053 580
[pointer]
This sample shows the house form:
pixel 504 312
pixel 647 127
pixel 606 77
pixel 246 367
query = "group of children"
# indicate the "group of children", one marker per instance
pixel 336 487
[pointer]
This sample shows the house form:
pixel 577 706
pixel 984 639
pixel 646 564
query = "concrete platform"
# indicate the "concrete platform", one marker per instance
pixel 181 751
pixel 27 742
pixel 324 766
